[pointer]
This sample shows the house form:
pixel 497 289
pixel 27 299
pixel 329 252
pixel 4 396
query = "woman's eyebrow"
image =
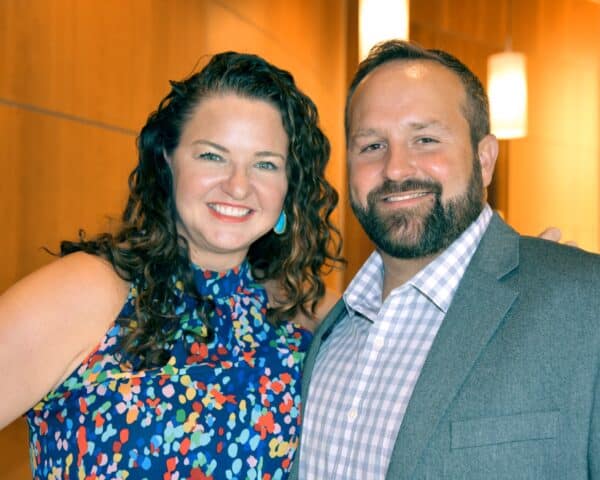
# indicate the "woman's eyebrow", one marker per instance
pixel 211 144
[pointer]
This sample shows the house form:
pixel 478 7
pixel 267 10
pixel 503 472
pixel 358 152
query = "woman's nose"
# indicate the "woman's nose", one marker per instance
pixel 237 183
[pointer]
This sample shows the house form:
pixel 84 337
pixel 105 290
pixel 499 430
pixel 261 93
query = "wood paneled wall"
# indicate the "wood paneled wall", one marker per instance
pixel 554 173
pixel 551 176
pixel 77 81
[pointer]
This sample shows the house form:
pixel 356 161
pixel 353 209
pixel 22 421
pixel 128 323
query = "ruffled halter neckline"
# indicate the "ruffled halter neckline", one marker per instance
pixel 218 285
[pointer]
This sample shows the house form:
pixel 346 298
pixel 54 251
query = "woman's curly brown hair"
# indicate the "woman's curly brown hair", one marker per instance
pixel 147 248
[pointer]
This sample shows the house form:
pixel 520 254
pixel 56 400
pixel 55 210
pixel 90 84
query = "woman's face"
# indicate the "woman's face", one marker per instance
pixel 229 177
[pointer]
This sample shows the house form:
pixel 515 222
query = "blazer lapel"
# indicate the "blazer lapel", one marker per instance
pixel 309 362
pixel 479 306
pixel 321 334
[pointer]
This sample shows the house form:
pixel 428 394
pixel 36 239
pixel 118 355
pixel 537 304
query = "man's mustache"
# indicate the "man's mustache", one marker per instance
pixel 389 187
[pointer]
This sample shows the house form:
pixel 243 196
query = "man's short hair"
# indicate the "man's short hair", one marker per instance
pixel 476 110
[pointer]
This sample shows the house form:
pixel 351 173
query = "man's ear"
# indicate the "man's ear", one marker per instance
pixel 487 151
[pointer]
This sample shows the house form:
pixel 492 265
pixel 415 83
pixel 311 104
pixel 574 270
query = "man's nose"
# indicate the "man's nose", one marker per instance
pixel 400 163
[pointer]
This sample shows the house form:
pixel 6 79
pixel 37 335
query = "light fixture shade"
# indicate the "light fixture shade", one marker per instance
pixel 507 90
pixel 381 20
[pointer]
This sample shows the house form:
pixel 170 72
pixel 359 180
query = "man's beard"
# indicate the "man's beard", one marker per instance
pixel 412 234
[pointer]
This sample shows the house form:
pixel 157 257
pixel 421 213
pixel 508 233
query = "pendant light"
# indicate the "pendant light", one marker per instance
pixel 381 20
pixel 507 90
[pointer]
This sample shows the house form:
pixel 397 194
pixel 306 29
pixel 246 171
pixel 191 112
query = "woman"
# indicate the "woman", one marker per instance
pixel 155 352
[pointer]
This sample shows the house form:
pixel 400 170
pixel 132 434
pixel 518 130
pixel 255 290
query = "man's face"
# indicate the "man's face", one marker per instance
pixel 415 183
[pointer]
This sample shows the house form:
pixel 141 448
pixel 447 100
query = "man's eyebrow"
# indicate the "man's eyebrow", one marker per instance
pixel 367 132
pixel 428 124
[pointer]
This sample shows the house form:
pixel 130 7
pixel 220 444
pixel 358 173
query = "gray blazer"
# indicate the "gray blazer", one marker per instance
pixel 511 386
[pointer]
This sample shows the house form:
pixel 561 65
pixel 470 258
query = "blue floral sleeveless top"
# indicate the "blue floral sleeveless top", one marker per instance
pixel 229 409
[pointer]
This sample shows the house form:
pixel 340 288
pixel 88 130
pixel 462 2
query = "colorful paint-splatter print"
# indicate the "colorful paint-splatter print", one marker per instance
pixel 229 409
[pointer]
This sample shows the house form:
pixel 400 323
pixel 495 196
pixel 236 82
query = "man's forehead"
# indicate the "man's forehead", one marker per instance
pixel 395 76
pixel 409 69
pixel 416 69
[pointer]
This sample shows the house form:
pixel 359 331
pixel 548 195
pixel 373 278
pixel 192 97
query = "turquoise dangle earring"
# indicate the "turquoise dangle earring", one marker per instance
pixel 281 224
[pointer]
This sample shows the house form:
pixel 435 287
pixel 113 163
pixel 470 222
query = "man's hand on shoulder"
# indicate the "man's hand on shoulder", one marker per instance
pixel 554 235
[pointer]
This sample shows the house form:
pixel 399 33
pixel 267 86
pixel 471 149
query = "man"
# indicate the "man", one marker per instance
pixel 460 349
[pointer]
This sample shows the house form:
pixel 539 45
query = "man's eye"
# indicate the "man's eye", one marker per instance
pixel 426 140
pixel 371 147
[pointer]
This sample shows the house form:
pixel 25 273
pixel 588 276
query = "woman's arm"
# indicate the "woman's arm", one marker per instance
pixel 49 322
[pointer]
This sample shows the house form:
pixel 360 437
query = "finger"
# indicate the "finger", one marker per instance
pixel 551 233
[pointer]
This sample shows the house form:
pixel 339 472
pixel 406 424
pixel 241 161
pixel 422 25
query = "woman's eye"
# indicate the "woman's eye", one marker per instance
pixel 266 165
pixel 210 156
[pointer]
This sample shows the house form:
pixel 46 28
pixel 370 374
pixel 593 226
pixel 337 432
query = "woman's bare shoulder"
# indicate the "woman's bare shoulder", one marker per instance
pixel 76 283
pixel 50 320
pixel 75 268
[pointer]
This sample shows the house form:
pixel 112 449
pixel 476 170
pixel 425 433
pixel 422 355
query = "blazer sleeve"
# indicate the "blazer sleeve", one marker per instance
pixel 594 446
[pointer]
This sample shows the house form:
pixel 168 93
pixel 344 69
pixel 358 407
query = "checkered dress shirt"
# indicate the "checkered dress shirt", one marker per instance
pixel 367 368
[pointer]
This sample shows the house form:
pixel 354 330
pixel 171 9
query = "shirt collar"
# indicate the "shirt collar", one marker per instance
pixel 438 281
pixel 363 294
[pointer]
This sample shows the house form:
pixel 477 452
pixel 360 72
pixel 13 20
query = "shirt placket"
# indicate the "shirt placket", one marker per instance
pixel 357 414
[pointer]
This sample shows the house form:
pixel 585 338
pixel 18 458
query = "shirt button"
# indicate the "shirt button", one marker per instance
pixel 352 414
pixel 378 343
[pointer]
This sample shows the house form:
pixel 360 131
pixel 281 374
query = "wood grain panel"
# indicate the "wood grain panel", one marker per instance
pixel 564 186
pixel 11 125
pixel 13 452
pixel 554 175
pixel 107 61
pixel 76 177
pixel 479 21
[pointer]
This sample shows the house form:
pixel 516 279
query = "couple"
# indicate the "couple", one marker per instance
pixel 459 350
